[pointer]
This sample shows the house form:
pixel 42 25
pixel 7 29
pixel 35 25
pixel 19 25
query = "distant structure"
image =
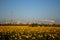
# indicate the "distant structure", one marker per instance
pixel 9 22
pixel 19 22
pixel 29 22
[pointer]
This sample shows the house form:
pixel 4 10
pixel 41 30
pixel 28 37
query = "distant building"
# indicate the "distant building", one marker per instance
pixel 29 22
pixel 18 22
pixel 9 22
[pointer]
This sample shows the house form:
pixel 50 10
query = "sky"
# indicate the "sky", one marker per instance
pixel 30 9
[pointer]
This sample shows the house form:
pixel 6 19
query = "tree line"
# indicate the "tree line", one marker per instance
pixel 33 25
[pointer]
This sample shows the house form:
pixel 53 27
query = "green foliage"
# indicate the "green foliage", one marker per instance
pixel 33 25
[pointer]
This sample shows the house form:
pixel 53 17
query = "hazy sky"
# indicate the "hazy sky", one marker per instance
pixel 28 9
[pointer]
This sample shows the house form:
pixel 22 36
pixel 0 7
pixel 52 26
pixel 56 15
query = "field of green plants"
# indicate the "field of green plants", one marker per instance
pixel 29 33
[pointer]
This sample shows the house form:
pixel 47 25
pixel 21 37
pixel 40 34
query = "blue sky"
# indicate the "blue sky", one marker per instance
pixel 28 9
